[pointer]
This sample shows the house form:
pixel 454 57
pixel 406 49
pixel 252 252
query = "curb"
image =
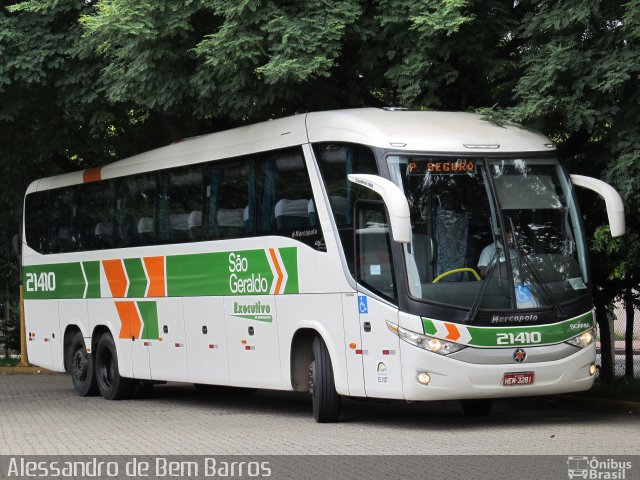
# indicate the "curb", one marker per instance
pixel 606 404
pixel 18 370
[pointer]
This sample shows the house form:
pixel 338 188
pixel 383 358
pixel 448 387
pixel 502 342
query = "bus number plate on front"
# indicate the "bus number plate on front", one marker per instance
pixel 520 378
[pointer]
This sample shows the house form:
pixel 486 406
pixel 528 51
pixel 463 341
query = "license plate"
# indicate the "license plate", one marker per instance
pixel 520 378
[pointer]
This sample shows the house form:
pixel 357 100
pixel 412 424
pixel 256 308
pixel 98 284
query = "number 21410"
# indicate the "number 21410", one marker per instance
pixel 522 338
pixel 41 282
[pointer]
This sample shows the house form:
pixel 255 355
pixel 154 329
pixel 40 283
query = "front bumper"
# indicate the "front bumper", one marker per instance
pixel 453 379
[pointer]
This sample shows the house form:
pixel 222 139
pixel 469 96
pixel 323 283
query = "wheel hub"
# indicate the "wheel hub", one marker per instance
pixel 80 364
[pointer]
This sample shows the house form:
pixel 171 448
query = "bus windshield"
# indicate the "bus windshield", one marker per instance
pixel 491 233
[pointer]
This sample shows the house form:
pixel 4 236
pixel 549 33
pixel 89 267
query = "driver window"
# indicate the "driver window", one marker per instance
pixel 374 266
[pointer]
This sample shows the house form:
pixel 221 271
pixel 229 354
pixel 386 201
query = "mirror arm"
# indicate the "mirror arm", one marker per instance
pixel 613 202
pixel 395 201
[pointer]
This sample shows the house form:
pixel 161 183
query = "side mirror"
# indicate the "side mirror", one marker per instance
pixel 613 202
pixel 394 200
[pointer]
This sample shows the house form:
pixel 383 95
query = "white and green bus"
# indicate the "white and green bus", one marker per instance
pixel 360 253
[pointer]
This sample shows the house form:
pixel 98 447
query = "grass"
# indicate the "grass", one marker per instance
pixel 620 389
pixel 9 362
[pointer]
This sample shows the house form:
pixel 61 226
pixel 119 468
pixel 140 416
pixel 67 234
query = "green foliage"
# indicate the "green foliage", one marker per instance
pixel 9 329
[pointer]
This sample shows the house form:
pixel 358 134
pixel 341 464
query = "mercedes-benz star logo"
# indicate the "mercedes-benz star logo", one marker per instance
pixel 519 355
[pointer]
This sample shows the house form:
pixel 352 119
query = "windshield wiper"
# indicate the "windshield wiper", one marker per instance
pixel 495 260
pixel 475 306
pixel 546 292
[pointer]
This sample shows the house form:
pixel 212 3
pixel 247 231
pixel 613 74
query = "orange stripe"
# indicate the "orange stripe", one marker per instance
pixel 155 271
pixel 453 334
pixel 92 175
pixel 129 319
pixel 277 265
pixel 116 277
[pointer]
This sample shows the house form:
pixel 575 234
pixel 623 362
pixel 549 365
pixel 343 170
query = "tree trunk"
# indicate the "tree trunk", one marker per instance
pixel 628 338
pixel 6 323
pixel 606 358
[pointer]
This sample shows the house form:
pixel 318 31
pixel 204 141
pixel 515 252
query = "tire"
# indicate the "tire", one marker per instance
pixel 476 408
pixel 80 365
pixel 111 385
pixel 325 400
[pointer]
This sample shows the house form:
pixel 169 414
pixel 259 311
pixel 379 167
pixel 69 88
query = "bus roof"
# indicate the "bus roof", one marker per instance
pixel 411 131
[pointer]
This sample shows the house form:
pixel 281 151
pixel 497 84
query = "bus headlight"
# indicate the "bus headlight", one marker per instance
pixel 584 339
pixel 427 342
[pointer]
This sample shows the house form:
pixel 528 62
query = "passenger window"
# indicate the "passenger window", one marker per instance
pixel 286 204
pixel 180 206
pixel 229 200
pixel 374 267
pixel 135 211
pixel 97 214
pixel 62 235
pixel 37 213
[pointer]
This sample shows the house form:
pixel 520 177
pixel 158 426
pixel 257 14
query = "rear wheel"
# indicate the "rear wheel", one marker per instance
pixel 476 408
pixel 112 386
pixel 325 400
pixel 80 366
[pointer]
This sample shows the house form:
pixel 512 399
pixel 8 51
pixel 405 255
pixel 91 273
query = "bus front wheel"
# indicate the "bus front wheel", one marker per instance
pixel 325 400
pixel 80 365
pixel 112 386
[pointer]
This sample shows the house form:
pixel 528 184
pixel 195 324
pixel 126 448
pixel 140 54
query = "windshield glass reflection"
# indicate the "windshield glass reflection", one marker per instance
pixel 462 254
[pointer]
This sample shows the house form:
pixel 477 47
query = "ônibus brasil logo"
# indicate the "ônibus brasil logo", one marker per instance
pixel 597 469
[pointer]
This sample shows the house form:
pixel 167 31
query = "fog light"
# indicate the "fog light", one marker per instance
pixel 592 369
pixel 424 378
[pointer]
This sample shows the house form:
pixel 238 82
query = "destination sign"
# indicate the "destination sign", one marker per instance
pixel 442 167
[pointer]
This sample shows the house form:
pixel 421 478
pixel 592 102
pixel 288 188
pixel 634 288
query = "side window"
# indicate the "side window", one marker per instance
pixel 180 206
pixel 135 211
pixel 286 206
pixel 96 206
pixel 336 162
pixel 36 220
pixel 62 231
pixel 229 199
pixel 374 268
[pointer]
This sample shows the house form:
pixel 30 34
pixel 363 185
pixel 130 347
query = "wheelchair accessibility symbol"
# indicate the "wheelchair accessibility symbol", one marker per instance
pixel 523 294
pixel 362 304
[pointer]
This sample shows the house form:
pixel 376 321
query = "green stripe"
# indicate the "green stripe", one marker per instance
pixel 137 278
pixel 242 272
pixel 289 257
pixel 227 273
pixel 429 326
pixel 487 337
pixel 149 313
pixel 92 271
pixel 60 280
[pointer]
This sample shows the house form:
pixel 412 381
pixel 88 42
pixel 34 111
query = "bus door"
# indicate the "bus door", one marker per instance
pixel 374 271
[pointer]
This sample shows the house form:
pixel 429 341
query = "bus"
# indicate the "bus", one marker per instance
pixel 367 253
